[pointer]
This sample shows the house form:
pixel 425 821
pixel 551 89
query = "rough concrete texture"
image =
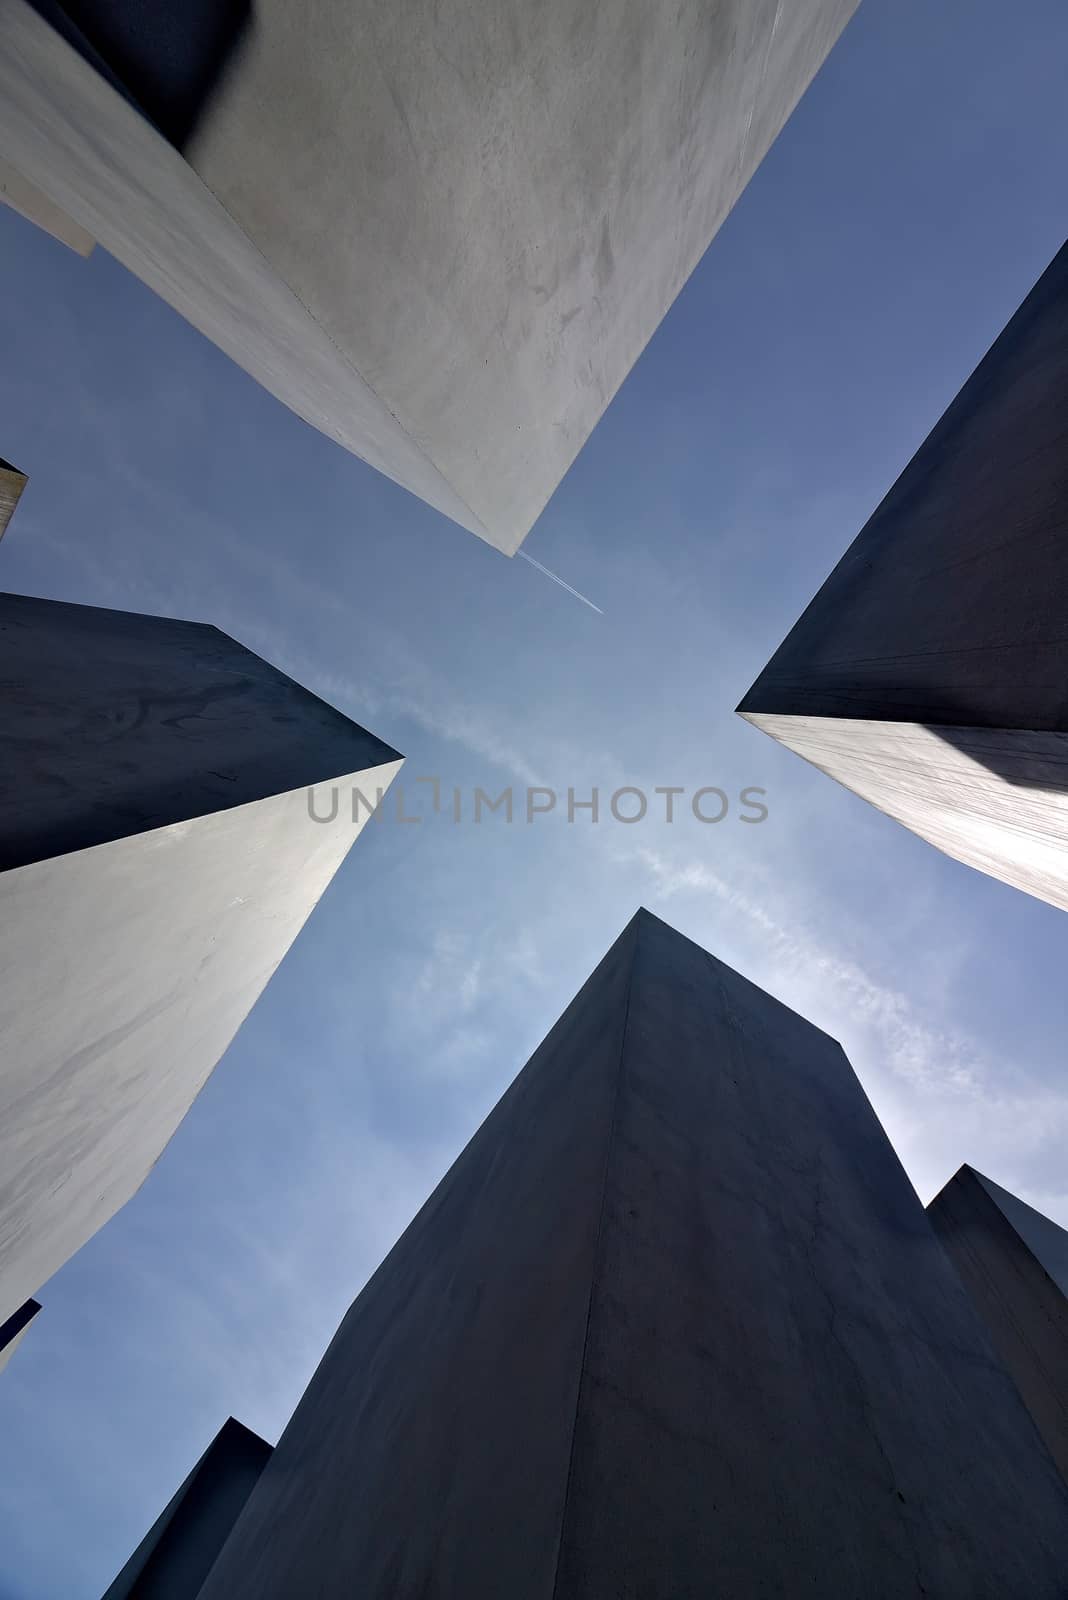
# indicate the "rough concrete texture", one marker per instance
pixel 946 619
pixel 482 211
pixel 673 1325
pixel 13 1331
pixel 1013 1262
pixel 174 1557
pixel 161 861
pixel 12 483
pixel 38 209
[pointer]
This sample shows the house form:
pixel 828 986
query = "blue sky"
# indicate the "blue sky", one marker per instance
pixel 912 201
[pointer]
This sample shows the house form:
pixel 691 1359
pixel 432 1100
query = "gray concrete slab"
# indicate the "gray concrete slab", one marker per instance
pixel 12 483
pixel 474 216
pixel 38 209
pixel 674 1324
pixel 928 674
pixel 161 859
pixel 1013 1262
pixel 176 1554
pixel 14 1330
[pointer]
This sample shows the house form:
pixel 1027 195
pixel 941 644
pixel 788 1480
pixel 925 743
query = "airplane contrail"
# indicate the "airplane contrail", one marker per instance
pixel 561 582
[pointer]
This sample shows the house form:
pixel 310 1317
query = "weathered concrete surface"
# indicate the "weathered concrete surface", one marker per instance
pixel 1013 1262
pixel 13 1331
pixel 947 621
pixel 161 861
pixel 483 210
pixel 66 131
pixel 38 209
pixel 12 483
pixel 176 1554
pixel 675 1323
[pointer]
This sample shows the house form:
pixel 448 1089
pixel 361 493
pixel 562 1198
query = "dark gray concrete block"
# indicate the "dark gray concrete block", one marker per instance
pixel 441 233
pixel 160 859
pixel 674 1325
pixel 13 1331
pixel 1013 1262
pixel 176 1554
pixel 928 674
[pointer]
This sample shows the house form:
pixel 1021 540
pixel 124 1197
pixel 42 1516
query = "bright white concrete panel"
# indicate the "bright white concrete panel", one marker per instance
pixel 442 231
pixel 125 971
pixel 994 798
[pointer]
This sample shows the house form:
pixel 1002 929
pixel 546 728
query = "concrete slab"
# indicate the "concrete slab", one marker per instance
pixel 928 673
pixel 176 1554
pixel 440 232
pixel 12 483
pixel 674 1323
pixel 38 209
pixel 160 859
pixel 1013 1262
pixel 14 1330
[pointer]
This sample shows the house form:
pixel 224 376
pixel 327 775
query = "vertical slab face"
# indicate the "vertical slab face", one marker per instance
pixel 784 1386
pixel 429 1455
pixel 175 1556
pixel 486 209
pixel 928 673
pixel 729 1358
pixel 12 483
pixel 14 1329
pixel 161 860
pixel 517 196
pixel 114 723
pixel 38 209
pixel 1014 1264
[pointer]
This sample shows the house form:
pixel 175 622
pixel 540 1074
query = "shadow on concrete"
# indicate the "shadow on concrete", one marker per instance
pixel 1023 758
pixel 166 57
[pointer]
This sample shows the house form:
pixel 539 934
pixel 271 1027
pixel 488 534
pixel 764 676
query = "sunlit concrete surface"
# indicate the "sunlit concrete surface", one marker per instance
pixel 14 1330
pixel 441 232
pixel 674 1324
pixel 160 859
pixel 174 1557
pixel 1013 1262
pixel 928 674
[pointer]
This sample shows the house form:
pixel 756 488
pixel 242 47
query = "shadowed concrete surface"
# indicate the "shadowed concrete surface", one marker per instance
pixel 161 859
pixel 166 56
pixel 674 1324
pixel 440 231
pixel 38 209
pixel 1013 1262
pixel 12 483
pixel 13 1331
pixel 174 1557
pixel 929 672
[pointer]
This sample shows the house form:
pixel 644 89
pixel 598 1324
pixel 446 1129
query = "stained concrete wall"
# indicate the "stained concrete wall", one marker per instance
pixel 674 1319
pixel 479 212
pixel 13 1331
pixel 928 672
pixel 1013 1262
pixel 176 1554
pixel 153 895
